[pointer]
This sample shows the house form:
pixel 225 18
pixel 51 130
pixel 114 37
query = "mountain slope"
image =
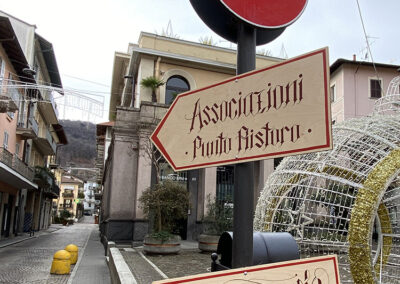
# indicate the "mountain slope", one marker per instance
pixel 81 148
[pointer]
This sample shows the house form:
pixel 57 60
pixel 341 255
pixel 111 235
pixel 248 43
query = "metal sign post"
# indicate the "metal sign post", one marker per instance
pixel 243 197
pixel 250 24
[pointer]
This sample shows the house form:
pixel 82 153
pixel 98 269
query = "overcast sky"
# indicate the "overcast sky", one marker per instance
pixel 86 33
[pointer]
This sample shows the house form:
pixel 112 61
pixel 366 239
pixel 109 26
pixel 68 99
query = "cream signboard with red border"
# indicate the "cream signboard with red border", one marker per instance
pixel 277 111
pixel 316 270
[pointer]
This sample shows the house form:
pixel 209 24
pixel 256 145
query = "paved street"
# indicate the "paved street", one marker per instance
pixel 30 261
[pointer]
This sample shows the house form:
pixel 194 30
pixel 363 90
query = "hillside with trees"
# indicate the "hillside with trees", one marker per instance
pixel 81 148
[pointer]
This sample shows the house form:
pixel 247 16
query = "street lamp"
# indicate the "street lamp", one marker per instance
pixel 133 89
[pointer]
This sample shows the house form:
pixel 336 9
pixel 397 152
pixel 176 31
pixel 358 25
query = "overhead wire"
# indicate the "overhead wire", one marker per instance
pixel 368 45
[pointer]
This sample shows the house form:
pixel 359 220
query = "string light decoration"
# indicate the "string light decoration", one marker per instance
pixel 345 201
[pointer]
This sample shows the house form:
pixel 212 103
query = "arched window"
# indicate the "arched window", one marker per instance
pixel 175 85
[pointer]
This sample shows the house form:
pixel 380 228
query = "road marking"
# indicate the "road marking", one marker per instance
pixel 153 265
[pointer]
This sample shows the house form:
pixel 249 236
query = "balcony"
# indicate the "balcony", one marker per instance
pixel 9 96
pixel 68 194
pixel 13 162
pixel 63 206
pixel 47 182
pixel 45 142
pixel 98 196
pixel 23 169
pixel 27 127
pixel 47 106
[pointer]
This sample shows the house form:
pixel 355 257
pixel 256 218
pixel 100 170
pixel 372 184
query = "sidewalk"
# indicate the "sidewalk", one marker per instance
pixel 91 267
pixel 26 236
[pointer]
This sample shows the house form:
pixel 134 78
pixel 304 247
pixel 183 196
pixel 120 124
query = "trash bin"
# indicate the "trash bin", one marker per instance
pixel 267 248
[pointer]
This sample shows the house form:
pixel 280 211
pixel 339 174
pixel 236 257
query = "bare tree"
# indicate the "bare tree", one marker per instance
pixel 152 153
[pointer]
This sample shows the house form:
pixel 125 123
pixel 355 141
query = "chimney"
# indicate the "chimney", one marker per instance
pixel 354 57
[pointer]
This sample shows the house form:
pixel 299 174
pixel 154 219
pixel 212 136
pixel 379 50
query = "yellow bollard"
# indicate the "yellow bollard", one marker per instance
pixel 61 262
pixel 73 250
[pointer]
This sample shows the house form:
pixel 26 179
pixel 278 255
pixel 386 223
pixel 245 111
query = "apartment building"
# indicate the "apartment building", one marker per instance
pixel 29 127
pixel 89 203
pixel 356 85
pixel 15 175
pixel 135 111
pixel 71 196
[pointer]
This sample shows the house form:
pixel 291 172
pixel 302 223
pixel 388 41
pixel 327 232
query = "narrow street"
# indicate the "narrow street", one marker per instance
pixel 30 261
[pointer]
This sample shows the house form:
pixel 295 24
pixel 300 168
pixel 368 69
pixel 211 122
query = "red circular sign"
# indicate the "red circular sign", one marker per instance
pixel 267 13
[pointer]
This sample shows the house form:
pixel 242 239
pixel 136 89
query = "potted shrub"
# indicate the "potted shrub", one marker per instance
pixel 64 215
pixel 167 202
pixel 218 219
pixel 152 83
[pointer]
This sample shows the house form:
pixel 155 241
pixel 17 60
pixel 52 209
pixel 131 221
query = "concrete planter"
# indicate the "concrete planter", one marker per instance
pixel 156 246
pixel 208 243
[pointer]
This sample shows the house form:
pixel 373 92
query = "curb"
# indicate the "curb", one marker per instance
pixel 119 270
pixel 16 242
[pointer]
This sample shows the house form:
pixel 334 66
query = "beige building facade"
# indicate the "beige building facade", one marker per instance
pixel 128 170
pixel 71 195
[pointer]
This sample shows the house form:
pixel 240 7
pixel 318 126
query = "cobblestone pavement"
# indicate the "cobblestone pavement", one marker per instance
pixel 187 262
pixel 30 261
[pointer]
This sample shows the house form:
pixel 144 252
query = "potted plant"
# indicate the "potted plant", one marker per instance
pixel 152 83
pixel 64 215
pixel 167 202
pixel 218 219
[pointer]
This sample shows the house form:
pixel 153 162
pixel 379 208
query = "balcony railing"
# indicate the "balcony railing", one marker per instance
pixel 6 157
pixel 68 195
pixel 43 93
pixel 23 169
pixel 29 123
pixel 16 164
pixel 45 133
pixel 65 206
pixel 10 95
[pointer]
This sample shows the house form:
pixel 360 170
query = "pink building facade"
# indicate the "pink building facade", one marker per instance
pixel 355 87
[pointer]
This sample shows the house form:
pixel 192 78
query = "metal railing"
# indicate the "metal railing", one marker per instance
pixel 47 95
pixel 45 133
pixel 17 90
pixel 9 89
pixel 16 164
pixel 23 169
pixel 30 122
pixel 6 157
pixel 68 194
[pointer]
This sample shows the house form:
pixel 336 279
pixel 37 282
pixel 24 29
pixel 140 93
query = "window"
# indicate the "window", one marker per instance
pixel 67 203
pixel 375 88
pixel 175 85
pixel 333 93
pixel 17 149
pixel 5 141
pixel 10 114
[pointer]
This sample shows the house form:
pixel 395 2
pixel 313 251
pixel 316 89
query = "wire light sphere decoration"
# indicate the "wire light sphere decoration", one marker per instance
pixel 345 201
